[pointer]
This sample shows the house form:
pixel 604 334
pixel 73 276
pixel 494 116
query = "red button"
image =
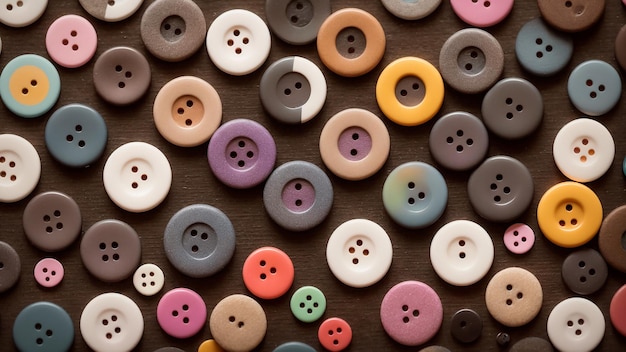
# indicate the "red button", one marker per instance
pixel 268 272
pixel 617 310
pixel 335 334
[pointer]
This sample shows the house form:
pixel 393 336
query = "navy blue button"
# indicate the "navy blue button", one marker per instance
pixel 43 326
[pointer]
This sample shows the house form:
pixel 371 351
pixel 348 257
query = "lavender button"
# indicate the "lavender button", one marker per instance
pixel 298 195
pixel 355 143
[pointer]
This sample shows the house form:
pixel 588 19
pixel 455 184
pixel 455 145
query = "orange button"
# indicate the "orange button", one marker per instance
pixel 268 273
pixel 210 346
pixel 29 85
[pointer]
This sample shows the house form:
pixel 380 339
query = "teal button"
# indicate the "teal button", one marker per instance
pixel 308 304
pixel 294 347
pixel 43 326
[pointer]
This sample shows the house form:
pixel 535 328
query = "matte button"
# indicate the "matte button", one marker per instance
pixel 335 334
pixel 210 346
pixel 199 240
pixel 10 267
pixel 503 339
pixel 43 326
pixel 359 253
pixel 411 313
pixel 71 41
pixel 571 16
pixel 111 11
pixel 298 195
pixel 519 238
pixel 514 296
pixel 268 273
pixel 294 347
pixel 169 349
pixel 242 153
pixel 611 240
pixel 354 144
pixel 576 324
pixel 466 326
pixel 148 279
pixel 458 141
pixel 471 60
pixel 542 50
pixel 181 313
pixel 22 13
pixel 110 250
pixel 296 22
pixel 76 135
pixel 308 304
pixel 411 10
pixel 187 110
pixel 434 349
pixel 20 168
pixel 482 13
pixel 584 271
pixel 351 42
pixel 238 323
pixel 415 194
pixel 121 75
pixel 594 87
pixel 620 47
pixel 48 272
pixel 532 344
pixel 617 309
pixel 52 221
pixel 293 90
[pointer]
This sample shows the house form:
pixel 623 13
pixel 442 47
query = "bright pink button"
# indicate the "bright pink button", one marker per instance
pixel 71 41
pixel 49 272
pixel 268 273
pixel 482 13
pixel 335 334
pixel 181 313
pixel 519 238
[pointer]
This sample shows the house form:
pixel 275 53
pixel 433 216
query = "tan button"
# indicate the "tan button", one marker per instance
pixel 514 297
pixel 351 42
pixel 187 110
pixel 571 15
pixel 238 323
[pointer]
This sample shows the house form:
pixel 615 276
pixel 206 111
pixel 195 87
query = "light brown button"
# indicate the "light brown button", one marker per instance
pixel 611 239
pixel 514 297
pixel 121 75
pixel 238 323
pixel 52 221
pixel 571 15
pixel 351 42
pixel 186 111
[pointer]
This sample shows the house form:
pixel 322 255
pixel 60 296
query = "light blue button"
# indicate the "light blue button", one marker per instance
pixel 542 50
pixel 294 347
pixel 594 87
pixel 43 326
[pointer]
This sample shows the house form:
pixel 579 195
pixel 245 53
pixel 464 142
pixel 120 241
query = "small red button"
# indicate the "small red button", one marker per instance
pixel 335 334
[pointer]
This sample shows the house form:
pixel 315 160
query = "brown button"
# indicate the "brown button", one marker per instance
pixel 584 271
pixel 238 323
pixel 52 221
pixel 620 47
pixel 121 75
pixel 514 297
pixel 10 266
pixel 611 239
pixel 571 15
pixel 351 42
pixel 434 349
pixel 532 344
pixel 466 326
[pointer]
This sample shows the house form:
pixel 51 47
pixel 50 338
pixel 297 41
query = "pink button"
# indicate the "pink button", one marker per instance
pixel 519 238
pixel 49 272
pixel 71 41
pixel 335 334
pixel 482 13
pixel 411 313
pixel 181 313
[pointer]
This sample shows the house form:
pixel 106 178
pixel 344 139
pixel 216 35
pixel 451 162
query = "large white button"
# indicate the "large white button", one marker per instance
pixel 461 252
pixel 576 324
pixel 21 13
pixel 20 168
pixel 583 150
pixel 137 177
pixel 359 253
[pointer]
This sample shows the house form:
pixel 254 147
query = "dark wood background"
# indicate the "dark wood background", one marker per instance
pixel 193 182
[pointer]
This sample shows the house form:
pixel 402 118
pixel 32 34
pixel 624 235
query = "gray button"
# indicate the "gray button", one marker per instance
pixel 296 21
pixel 411 9
pixel 10 266
pixel 541 50
pixel 52 221
pixel 532 344
pixel 294 347
pixel 594 87
pixel 458 141
pixel 466 326
pixel 584 271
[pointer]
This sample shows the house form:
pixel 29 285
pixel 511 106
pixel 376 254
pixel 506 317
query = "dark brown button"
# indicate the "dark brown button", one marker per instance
pixel 10 266
pixel 503 339
pixel 121 75
pixel 296 21
pixel 466 326
pixel 532 344
pixel 611 239
pixel 434 349
pixel 584 271
pixel 620 48
pixel 571 15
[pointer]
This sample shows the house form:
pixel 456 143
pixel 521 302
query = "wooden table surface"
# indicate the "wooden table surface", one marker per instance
pixel 193 182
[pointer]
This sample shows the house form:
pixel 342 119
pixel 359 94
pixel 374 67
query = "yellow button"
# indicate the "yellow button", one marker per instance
pixel 569 214
pixel 29 85
pixel 210 346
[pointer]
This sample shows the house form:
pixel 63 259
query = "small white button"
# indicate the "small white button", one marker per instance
pixel 137 177
pixel 359 253
pixel 576 324
pixel 148 279
pixel 20 168
pixel 461 252
pixel 21 13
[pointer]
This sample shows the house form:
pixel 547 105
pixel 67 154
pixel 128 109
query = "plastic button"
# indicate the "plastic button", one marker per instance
pixel 611 238
pixel 121 75
pixel 519 238
pixel 335 334
pixel 22 13
pixel 308 304
pixel 43 326
pixel 268 273
pixel 620 47
pixel 461 252
pixel 354 144
pixel 148 279
pixel 571 15
pixel 466 326
pixel 209 346
pixel 617 309
pixel 20 168
pixel 296 22
pixel 529 344
pixel 482 13
pixel 458 141
pixel 181 313
pixel 576 324
pixel 594 87
pixel 411 10
pixel 169 349
pixel 52 221
pixel 434 349
pixel 10 267
pixel 48 272
pixel 294 347
pixel 514 297
pixel 238 323
pixel 71 41
pixel 542 50
pixel 584 271
pixel 111 11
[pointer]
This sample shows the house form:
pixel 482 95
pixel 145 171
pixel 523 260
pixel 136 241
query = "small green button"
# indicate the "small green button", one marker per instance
pixel 308 304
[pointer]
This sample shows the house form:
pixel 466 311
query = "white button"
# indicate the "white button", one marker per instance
pixel 461 252
pixel 583 150
pixel 20 168
pixel 148 279
pixel 359 253
pixel 137 177
pixel 21 13
pixel 111 322
pixel 238 42
pixel 576 324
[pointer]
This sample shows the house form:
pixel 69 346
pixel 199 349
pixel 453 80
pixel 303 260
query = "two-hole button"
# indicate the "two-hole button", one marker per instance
pixel 268 272
pixel 238 323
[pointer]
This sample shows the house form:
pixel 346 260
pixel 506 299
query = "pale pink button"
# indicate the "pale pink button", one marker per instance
pixel 181 313
pixel 482 13
pixel 49 272
pixel 519 238
pixel 71 41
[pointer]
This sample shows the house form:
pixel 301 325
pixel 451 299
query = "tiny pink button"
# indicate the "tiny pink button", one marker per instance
pixel 519 238
pixel 482 13
pixel 181 313
pixel 335 334
pixel 71 41
pixel 49 272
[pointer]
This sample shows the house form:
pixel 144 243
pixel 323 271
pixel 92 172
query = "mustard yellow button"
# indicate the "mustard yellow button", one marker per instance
pixel 210 346
pixel 569 214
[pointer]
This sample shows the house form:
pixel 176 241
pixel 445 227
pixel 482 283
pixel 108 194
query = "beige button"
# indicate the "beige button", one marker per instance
pixel 514 297
pixel 238 323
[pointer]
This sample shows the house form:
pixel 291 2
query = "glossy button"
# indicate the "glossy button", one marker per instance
pixel 354 144
pixel 209 346
pixel 594 87
pixel 411 10
pixel 458 141
pixel 571 15
pixel 466 326
pixel 335 334
pixel 294 347
pixel 238 323
pixel 519 238
pixel 121 75
pixel 611 239
pixel 49 272
pixel 308 304
pixel 411 313
pixel 530 344
pixel 111 11
pixel 22 13
pixel 181 313
pixel 148 279
pixel 461 252
pixel 10 266
pixel 238 42
pixel 20 168
pixel 52 221
pixel 584 271
pixel 43 326
pixel 268 273
pixel 296 22
pixel 576 324
pixel 482 13
pixel 616 310
pixel 71 41
pixel 542 50
pixel 514 296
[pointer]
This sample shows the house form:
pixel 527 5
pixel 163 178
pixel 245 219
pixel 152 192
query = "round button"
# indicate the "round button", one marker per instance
pixel 411 10
pixel 296 22
pixel 121 75
pixel 514 297
pixel 187 110
pixel 110 250
pixel 111 11
pixel 298 195
pixel 238 323
pixel 411 313
pixel 181 313
pixel 461 252
pixel 238 42
pixel 569 214
pixel 43 326
pixel 268 273
pixel 173 30
pixel 532 344
pixel 458 141
pixel 52 221
pixel 466 326
pixel 242 153
pixel 410 91
pixel 519 238
pixel 620 47
pixel 351 42
pixel 76 135
pixel 22 13
pixel 354 144
pixel 10 267
pixel 199 240
pixel 137 177
pixel 610 238
pixel 542 50
pixel 209 346
pixel 293 90
pixel 471 60
pixel 617 309
pixel 594 87
pixel 335 334
pixel 49 272
pixel 434 349
pixel 482 13
pixel 571 15
pixel 513 108
pixel 20 168
pixel 503 339
pixel 584 271
pixel 308 304
pixel 294 347
pixel 576 324
pixel 148 279
pixel 111 321
pixel 359 253
pixel 71 41
pixel 169 349
pixel 29 85
pixel 415 194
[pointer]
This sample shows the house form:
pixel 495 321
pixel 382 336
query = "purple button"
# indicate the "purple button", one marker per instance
pixel 519 238
pixel 181 313
pixel 355 143
pixel 298 195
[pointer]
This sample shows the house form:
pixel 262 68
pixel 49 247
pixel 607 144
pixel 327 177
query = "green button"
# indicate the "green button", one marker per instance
pixel 308 304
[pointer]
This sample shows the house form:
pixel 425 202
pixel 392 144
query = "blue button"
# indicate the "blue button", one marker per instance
pixel 294 347
pixel 43 326
pixel 594 87
pixel 542 50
